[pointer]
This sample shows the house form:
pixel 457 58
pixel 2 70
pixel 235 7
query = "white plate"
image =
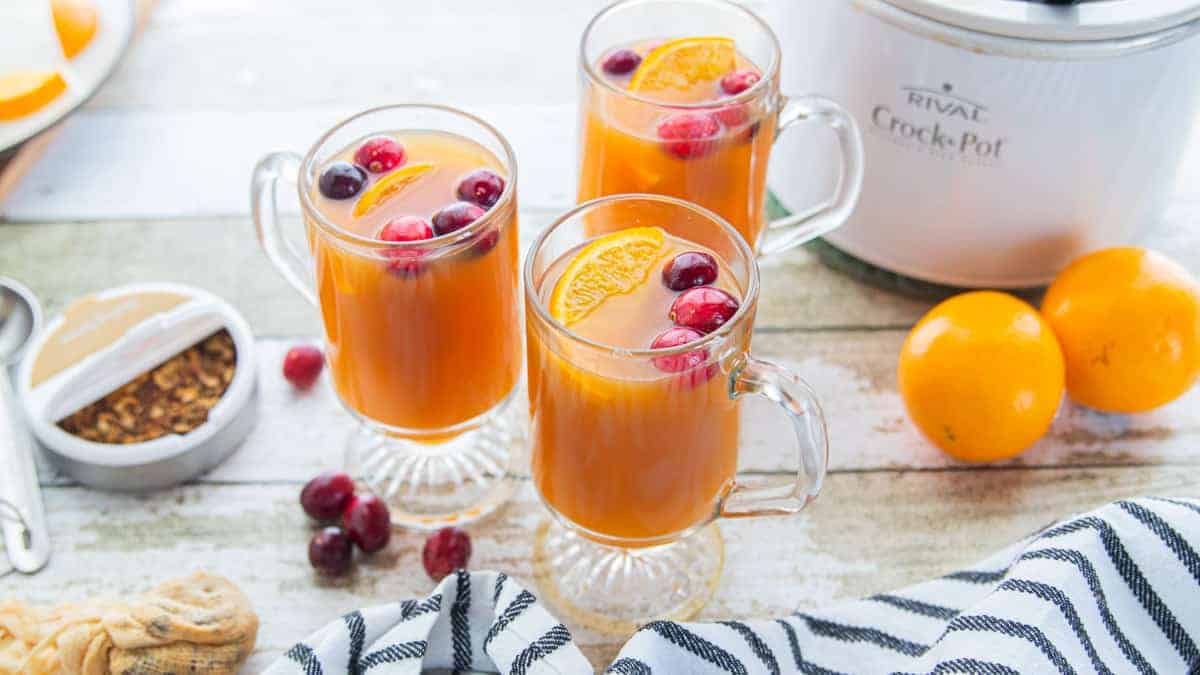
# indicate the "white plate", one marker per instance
pixel 84 74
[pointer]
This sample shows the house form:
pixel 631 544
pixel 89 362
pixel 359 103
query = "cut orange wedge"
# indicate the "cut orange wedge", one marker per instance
pixel 611 265
pixel 76 22
pixel 678 65
pixel 390 185
pixel 27 91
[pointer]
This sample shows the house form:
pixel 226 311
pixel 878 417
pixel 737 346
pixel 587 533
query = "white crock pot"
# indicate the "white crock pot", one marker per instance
pixel 1003 137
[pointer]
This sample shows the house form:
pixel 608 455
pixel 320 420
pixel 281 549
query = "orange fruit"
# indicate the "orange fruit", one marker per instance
pixel 1128 320
pixel 678 65
pixel 27 91
pixel 76 22
pixel 610 265
pixel 981 376
pixel 390 185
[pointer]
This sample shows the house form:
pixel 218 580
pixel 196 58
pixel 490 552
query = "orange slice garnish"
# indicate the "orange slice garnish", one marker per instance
pixel 390 185
pixel 679 65
pixel 27 91
pixel 613 264
pixel 76 22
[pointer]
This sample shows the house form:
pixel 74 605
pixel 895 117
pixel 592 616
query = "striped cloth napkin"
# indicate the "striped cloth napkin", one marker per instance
pixel 1116 590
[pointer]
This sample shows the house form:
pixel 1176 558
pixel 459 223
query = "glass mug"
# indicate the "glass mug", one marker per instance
pixel 620 151
pixel 427 363
pixel 635 464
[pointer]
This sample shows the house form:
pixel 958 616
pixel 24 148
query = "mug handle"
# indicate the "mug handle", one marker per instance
pixel 762 378
pixel 790 231
pixel 295 266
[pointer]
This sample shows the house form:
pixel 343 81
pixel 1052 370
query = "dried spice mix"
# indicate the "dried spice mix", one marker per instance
pixel 172 398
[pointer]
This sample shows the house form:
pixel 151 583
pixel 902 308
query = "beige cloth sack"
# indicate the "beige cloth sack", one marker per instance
pixel 196 624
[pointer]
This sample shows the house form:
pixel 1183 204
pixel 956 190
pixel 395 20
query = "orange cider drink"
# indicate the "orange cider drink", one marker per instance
pixel 639 311
pixel 409 213
pixel 418 340
pixel 597 474
pixel 694 114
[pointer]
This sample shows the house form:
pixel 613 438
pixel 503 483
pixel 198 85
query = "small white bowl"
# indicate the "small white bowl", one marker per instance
pixel 103 341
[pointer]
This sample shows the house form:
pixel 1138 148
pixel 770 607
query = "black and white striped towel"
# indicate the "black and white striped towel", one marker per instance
pixel 1116 590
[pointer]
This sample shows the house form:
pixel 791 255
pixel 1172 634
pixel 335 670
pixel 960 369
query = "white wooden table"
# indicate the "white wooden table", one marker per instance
pixel 150 182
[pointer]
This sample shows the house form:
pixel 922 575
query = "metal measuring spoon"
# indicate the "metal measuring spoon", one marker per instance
pixel 22 520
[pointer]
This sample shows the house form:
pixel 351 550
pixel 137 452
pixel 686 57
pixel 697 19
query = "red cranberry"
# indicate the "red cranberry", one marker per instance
pixel 330 552
pixel 677 363
pixel 688 269
pixel 704 308
pixel 367 521
pixel 406 228
pixel 487 241
pixel 621 62
pixel 687 134
pixel 405 262
pixel 326 496
pixel 302 366
pixel 733 115
pixel 446 550
pixel 738 81
pixel 380 154
pixel 482 187
pixel 455 217
pixel 341 180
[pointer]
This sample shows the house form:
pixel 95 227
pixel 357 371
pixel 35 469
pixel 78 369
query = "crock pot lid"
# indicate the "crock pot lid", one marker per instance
pixel 1082 20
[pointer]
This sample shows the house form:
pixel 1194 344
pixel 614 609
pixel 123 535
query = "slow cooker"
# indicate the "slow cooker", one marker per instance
pixel 1003 138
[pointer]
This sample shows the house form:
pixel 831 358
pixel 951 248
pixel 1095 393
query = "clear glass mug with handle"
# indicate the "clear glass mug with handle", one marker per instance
pixel 635 463
pixel 622 144
pixel 422 338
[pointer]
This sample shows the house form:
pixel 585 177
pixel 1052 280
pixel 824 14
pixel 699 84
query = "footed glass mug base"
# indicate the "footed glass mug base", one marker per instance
pixel 451 478
pixel 618 590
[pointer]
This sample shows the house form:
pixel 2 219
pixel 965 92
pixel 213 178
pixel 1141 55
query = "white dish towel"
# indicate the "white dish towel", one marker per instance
pixel 1116 590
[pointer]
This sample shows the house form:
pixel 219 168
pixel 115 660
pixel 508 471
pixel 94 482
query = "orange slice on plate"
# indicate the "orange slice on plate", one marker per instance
pixel 27 91
pixel 390 185
pixel 611 265
pixel 76 22
pixel 678 65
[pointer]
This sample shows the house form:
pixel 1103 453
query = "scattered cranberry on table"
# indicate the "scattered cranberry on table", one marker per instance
pixel 367 522
pixel 481 187
pixel 738 81
pixel 380 154
pixel 688 135
pixel 703 308
pixel 341 180
pixel 455 217
pixel 326 496
pixel 330 552
pixel 621 62
pixel 302 366
pixel 688 269
pixel 445 551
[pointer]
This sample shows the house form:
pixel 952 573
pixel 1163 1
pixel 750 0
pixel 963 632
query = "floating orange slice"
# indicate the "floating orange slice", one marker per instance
pixel 390 185
pixel 678 65
pixel 76 22
pixel 27 91
pixel 611 265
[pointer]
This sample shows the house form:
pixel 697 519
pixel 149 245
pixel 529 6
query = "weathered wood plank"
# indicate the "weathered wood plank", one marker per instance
pixel 852 372
pixel 868 533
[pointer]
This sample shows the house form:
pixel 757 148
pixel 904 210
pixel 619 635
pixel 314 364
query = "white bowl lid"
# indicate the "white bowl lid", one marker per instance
pixel 1083 20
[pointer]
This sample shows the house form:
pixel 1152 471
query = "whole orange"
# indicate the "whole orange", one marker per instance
pixel 1128 321
pixel 981 376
